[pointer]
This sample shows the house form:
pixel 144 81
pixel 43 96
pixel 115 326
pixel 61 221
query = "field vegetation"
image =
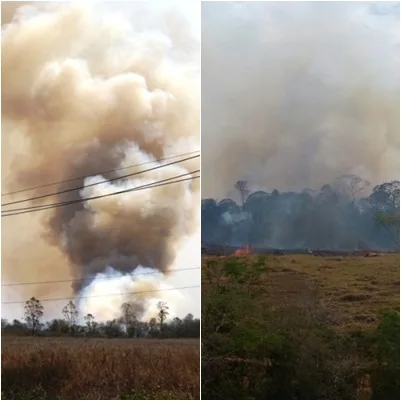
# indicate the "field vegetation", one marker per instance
pixel 92 368
pixel 300 327
pixel 124 358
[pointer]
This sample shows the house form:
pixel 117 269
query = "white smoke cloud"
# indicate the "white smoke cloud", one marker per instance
pixel 145 287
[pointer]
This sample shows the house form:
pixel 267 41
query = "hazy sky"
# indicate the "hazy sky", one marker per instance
pixel 295 94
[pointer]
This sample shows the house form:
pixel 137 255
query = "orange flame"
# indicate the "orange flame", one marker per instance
pixel 243 251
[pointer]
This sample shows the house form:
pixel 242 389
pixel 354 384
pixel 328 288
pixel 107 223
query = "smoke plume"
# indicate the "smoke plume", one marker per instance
pixel 87 89
pixel 297 94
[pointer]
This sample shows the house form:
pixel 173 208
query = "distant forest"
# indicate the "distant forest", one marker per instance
pixel 188 327
pixel 127 325
pixel 340 216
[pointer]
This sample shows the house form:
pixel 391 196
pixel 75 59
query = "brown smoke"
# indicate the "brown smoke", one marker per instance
pixel 84 90
pixel 296 94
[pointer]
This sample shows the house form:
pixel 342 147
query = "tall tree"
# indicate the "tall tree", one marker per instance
pixel 89 319
pixel 129 318
pixel 153 327
pixel 242 188
pixel 70 313
pixel 163 313
pixel 33 314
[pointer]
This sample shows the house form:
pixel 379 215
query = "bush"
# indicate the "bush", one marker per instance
pixel 386 373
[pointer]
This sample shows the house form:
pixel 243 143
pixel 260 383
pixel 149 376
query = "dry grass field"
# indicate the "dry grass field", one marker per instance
pixel 68 368
pixel 354 289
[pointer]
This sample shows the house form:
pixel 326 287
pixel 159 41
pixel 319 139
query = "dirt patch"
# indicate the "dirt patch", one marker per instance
pixel 355 297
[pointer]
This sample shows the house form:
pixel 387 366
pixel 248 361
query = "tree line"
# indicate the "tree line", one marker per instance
pixel 127 325
pixel 339 216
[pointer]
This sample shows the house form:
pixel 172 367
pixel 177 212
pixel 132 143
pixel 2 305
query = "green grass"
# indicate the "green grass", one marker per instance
pixel 300 327
pixel 354 289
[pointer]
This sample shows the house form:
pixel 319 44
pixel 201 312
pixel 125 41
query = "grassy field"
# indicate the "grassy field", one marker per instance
pixel 300 327
pixel 353 289
pixel 68 368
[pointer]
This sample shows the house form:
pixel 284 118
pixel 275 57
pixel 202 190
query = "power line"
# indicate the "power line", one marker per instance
pixel 98 183
pixel 105 295
pixel 145 186
pixel 13 212
pixel 67 203
pixel 93 277
pixel 98 173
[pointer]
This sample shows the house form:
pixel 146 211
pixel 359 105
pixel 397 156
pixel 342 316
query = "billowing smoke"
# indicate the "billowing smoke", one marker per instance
pixel 296 94
pixel 142 284
pixel 88 89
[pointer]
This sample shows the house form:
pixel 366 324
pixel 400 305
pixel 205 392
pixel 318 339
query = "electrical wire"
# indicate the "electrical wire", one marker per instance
pixel 156 184
pixel 97 183
pixel 93 277
pixel 105 295
pixel 98 173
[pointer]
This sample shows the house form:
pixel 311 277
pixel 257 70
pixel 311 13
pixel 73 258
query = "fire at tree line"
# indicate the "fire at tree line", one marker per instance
pixel 340 216
pixel 126 326
pixel 296 327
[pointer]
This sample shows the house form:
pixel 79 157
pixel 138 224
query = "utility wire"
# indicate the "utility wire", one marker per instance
pixel 93 277
pixel 13 212
pixel 98 173
pixel 67 203
pixel 97 183
pixel 105 295
pixel 83 199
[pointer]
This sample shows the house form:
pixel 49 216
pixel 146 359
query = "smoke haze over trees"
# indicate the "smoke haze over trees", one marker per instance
pixel 295 94
pixel 334 217
pixel 300 101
